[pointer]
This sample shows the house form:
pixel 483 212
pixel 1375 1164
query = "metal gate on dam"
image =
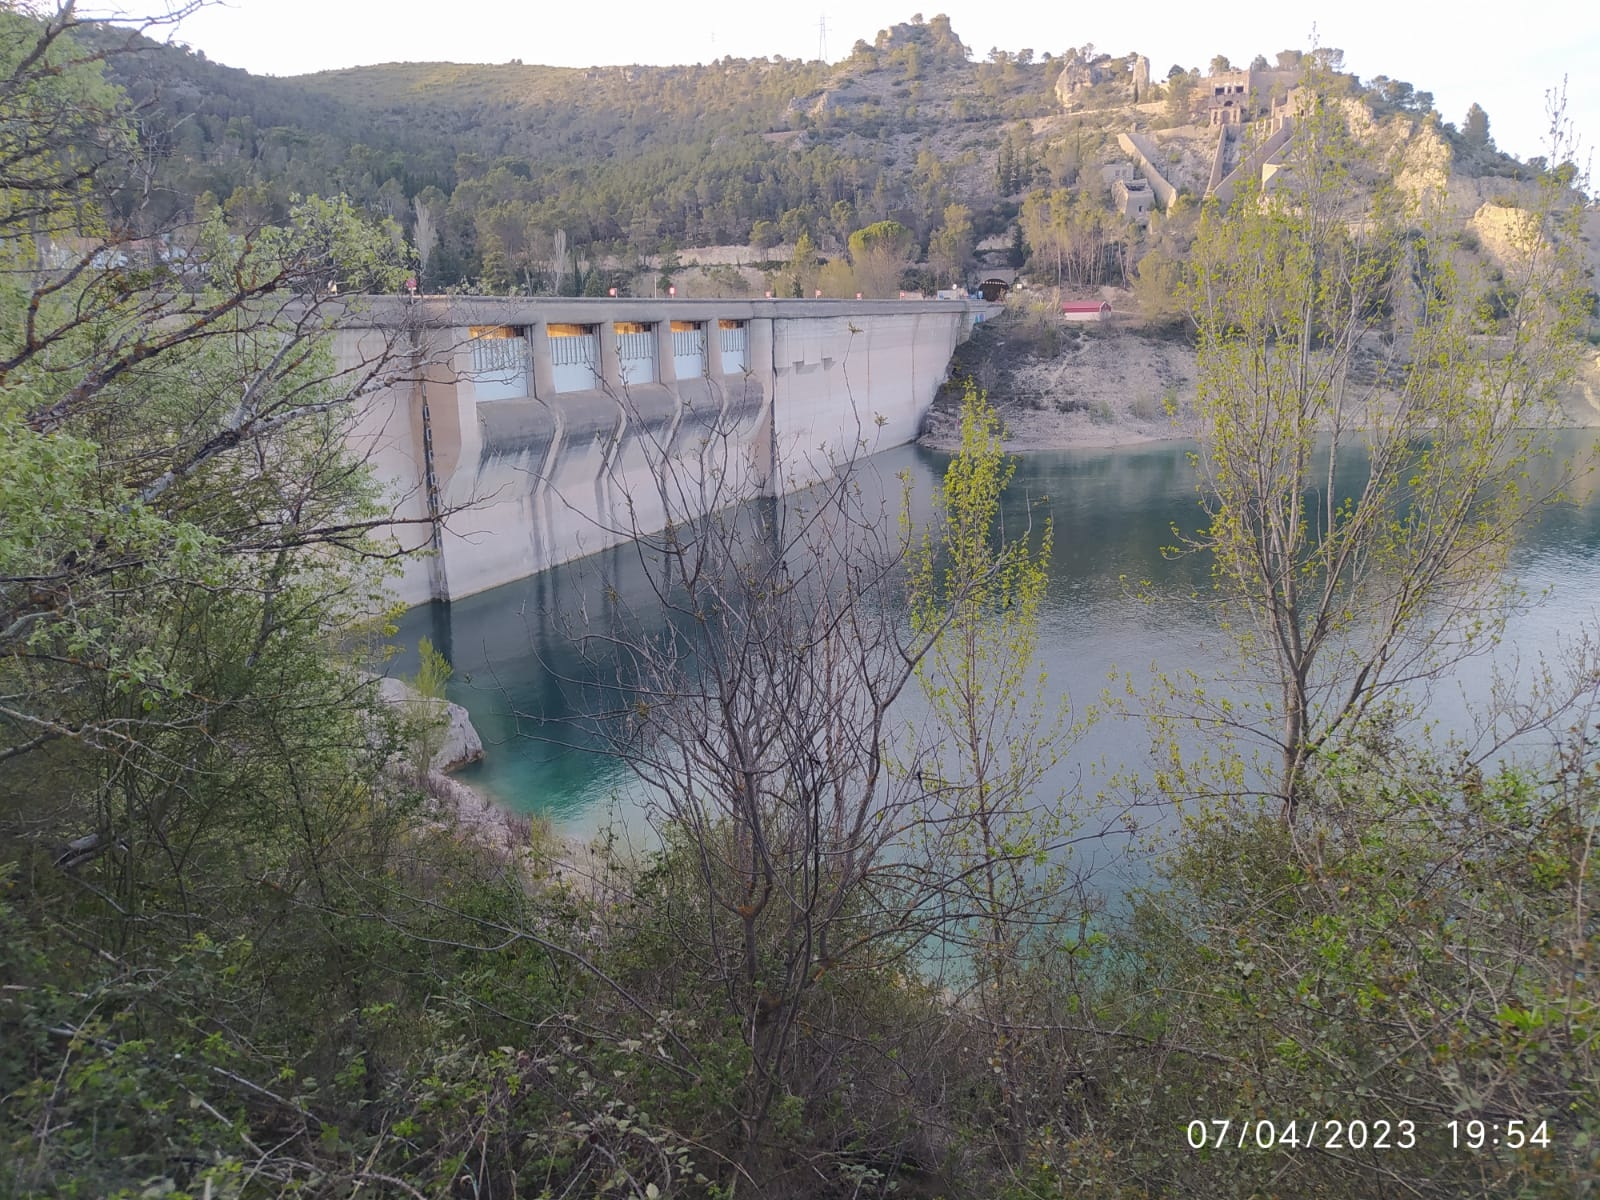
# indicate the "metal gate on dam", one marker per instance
pixel 516 434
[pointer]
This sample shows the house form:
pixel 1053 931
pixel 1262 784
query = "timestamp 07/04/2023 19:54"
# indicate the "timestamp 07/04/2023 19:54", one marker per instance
pixel 1473 1134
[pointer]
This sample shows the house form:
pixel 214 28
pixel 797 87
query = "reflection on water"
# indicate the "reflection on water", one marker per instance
pixel 1115 601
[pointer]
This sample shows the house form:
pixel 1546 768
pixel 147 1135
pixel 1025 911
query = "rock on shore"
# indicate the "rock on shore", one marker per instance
pixel 462 745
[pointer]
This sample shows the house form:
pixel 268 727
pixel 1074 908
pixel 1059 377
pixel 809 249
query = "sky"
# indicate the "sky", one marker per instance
pixel 1505 59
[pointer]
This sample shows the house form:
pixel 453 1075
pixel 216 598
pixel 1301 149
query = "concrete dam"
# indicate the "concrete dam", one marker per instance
pixel 524 433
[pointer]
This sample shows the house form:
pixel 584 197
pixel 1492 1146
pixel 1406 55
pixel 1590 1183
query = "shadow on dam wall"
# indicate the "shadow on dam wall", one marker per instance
pixel 536 660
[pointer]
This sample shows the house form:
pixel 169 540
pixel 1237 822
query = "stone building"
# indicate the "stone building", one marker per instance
pixel 1229 97
pixel 1239 97
pixel 1134 199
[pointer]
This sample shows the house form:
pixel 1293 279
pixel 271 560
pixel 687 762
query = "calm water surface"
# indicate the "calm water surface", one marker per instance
pixel 1114 510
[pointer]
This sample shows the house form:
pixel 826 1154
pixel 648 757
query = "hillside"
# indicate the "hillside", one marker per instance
pixel 533 178
pixel 1093 386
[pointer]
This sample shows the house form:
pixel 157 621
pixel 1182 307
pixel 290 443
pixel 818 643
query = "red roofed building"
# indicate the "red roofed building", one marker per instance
pixel 1086 310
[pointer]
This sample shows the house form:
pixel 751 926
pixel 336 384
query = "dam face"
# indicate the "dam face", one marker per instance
pixel 520 433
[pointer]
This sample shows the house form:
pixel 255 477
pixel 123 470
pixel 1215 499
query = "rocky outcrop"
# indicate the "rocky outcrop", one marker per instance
pixel 1582 399
pixel 1141 78
pixel 456 806
pixel 1507 233
pixel 461 745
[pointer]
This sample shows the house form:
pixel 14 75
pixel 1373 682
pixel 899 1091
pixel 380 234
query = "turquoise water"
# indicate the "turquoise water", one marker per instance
pixel 520 675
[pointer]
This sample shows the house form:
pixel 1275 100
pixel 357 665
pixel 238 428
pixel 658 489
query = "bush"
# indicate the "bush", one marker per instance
pixel 1418 952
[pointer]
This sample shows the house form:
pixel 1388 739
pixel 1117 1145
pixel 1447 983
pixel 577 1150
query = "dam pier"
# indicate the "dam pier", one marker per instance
pixel 526 432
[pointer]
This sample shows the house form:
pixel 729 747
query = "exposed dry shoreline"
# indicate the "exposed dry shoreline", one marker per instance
pixel 1111 385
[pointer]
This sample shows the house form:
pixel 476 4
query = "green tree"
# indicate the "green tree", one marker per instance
pixel 950 247
pixel 841 221
pixel 508 236
pixel 1158 288
pixel 61 122
pixel 838 279
pixel 1395 953
pixel 998 736
pixel 911 57
pixel 803 267
pixel 1005 169
pixel 186 572
pixel 879 255
pixel 794 222
pixel 1043 223
pixel 172 484
pixel 671 264
pixel 1475 128
pixel 1180 93
pixel 431 707
pixel 764 235
pixel 1084 241
pixel 1358 528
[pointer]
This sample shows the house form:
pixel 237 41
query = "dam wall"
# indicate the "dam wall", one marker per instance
pixel 518 434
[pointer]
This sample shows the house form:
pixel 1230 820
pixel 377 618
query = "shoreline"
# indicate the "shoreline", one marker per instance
pixel 1043 433
pixel 1117 411
pixel 1103 386
pixel 1067 434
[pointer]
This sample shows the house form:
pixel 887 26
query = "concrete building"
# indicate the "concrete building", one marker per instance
pixel 1081 311
pixel 1133 199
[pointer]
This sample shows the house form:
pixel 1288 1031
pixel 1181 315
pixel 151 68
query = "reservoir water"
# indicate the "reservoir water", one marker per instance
pixel 1116 602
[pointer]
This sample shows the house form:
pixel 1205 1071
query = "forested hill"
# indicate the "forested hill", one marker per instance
pixel 623 155
pixel 412 126
pixel 514 168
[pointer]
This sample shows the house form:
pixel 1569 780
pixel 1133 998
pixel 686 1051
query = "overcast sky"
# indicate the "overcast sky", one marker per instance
pixel 1504 57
